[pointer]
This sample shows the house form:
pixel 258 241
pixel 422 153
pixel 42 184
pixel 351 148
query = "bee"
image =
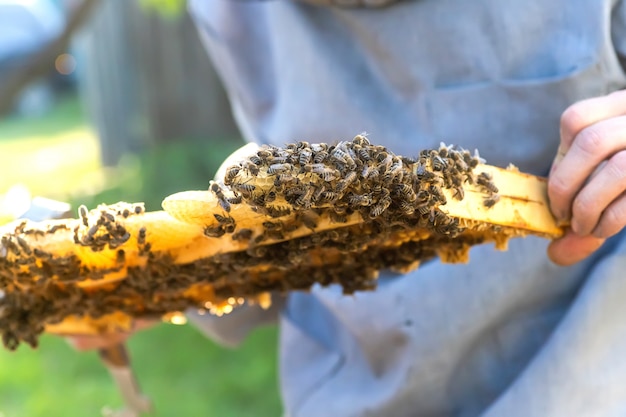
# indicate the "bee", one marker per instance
pixel 139 209
pixel 396 168
pixel 273 225
pixel 379 207
pixel 227 222
pixel 405 191
pixel 459 193
pixel 255 159
pixel 343 184
pixel 256 251
pixel 245 189
pixel 83 212
pixel 296 256
pixel 423 174
pixel 304 200
pixel 309 218
pixel 484 179
pixel 274 234
pixel 282 179
pixel 359 200
pixel 385 160
pixel 305 156
pixel 491 200
pixel 342 156
pixel 407 208
pixel 278 159
pixel 235 200
pixel 361 140
pixel 231 174
pixel 214 231
pixel 320 157
pixel 329 197
pixel 337 218
pixel 369 172
pixel 279 168
pixel 250 167
pixel 443 150
pixel 24 245
pixel 438 163
pixel 363 154
pixel 437 195
pixel 120 256
pixel 407 160
pixel 242 234
pixel 326 173
pixel 278 211
pixel 258 199
pixel 224 204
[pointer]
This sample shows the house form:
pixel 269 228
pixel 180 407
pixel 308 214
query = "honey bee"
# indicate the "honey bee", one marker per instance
pixel 304 200
pixel 337 217
pixel 309 218
pixel 437 194
pixel 405 190
pixel 423 174
pixel 359 200
pixel 278 211
pixel 231 174
pixel 438 163
pixel 24 245
pixel 273 225
pixel 484 179
pixel 343 184
pixel 242 234
pixel 250 167
pixel 407 208
pixel 305 156
pixel 459 193
pixel 320 157
pixel 120 256
pixel 385 160
pixel 369 172
pixel 491 200
pixel 214 231
pixel 256 159
pixel 83 212
pixel 329 197
pixel 279 168
pixel 342 156
pixel 379 208
pixel 235 200
pixel 245 189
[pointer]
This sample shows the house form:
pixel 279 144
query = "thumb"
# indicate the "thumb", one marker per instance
pixel 572 248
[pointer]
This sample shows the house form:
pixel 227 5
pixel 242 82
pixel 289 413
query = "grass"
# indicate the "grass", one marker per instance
pixel 184 373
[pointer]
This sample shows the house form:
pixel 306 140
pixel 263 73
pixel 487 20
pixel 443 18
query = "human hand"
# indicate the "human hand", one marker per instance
pixel 107 340
pixel 587 182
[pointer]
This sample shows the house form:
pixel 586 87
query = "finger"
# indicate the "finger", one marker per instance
pixel 588 112
pixel 592 145
pixel 603 188
pixel 572 248
pixel 613 219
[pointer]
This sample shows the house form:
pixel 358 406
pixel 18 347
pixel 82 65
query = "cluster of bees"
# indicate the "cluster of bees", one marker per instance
pixel 38 287
pixel 298 186
pixel 350 177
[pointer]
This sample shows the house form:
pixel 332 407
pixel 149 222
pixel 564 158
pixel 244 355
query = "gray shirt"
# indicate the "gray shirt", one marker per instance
pixel 509 334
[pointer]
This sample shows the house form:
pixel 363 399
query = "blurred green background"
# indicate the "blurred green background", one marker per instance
pixel 141 115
